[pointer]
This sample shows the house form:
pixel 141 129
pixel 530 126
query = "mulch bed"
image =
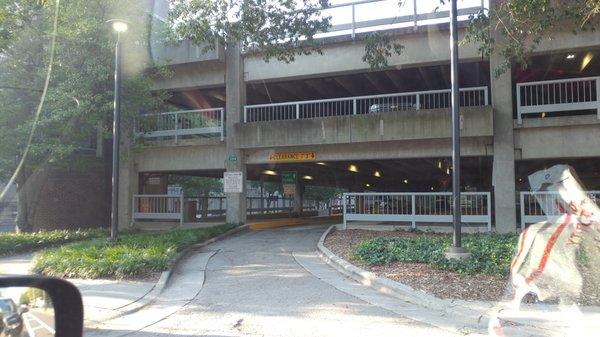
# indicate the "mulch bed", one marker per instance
pixel 440 283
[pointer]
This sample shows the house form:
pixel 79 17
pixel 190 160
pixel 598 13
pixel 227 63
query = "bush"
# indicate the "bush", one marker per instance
pixel 13 243
pixel 490 253
pixel 133 255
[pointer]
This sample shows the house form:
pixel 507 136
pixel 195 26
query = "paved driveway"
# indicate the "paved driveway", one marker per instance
pixel 253 285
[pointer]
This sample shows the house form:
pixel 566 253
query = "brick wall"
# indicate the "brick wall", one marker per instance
pixel 61 198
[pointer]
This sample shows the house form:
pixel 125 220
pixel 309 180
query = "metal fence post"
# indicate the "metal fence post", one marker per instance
pixel 522 209
pixel 485 96
pixel 133 208
pixel 354 106
pixel 413 211
pixel 297 110
pixel 176 126
pixel 488 195
pixel 181 209
pixel 598 98
pixel 344 197
pixel 354 22
pixel 418 102
pixel 245 114
pixel 222 117
pixel 519 119
pixel 415 14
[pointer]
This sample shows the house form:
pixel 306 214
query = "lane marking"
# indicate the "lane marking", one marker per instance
pixel 40 322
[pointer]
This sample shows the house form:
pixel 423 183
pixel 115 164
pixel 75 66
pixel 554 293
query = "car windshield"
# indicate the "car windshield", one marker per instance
pixel 303 167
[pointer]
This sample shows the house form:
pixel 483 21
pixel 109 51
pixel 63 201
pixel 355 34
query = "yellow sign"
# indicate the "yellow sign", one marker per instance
pixel 293 156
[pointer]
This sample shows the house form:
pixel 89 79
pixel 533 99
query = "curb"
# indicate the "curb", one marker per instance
pixel 467 317
pixel 166 275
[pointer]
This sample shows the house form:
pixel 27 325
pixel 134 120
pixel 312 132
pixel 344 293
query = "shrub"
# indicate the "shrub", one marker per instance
pixel 133 255
pixel 490 253
pixel 13 243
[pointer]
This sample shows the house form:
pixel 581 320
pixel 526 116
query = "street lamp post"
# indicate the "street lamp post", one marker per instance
pixel 456 251
pixel 119 26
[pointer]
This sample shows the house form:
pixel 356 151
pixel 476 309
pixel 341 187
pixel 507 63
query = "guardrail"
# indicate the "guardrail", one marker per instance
pixel 532 210
pixel 416 207
pixel 415 17
pixel 558 95
pixel 432 99
pixel 176 124
pixel 157 207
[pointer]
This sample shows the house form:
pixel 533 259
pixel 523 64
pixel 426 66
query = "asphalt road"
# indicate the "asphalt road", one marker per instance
pixel 252 285
pixel 39 323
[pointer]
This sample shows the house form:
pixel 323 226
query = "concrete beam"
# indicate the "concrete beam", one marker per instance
pixel 389 126
pixel 181 158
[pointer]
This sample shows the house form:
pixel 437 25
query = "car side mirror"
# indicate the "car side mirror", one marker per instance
pixel 23 308
pixel 43 293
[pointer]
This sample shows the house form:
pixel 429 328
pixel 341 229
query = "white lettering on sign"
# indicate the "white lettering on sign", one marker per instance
pixel 233 182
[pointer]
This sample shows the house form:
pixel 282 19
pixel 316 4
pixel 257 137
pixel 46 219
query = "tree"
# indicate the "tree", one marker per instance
pixel 524 24
pixel 278 29
pixel 521 24
pixel 80 95
pixel 198 187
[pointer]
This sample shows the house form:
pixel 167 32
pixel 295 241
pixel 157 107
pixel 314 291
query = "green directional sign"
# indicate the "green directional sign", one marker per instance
pixel 289 177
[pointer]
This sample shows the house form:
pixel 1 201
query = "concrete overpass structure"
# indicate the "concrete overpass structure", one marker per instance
pixel 235 111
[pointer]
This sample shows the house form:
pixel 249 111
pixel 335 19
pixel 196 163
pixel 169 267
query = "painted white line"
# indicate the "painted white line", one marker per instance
pixel 40 322
pixel 28 326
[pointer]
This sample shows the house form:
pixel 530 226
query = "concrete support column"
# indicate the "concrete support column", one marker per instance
pixel 298 199
pixel 235 90
pixel 503 175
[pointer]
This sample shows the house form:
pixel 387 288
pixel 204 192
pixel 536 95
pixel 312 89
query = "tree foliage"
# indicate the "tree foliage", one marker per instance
pixel 80 96
pixel 197 186
pixel 515 28
pixel 278 29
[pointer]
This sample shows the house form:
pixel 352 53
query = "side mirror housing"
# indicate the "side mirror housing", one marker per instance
pixel 65 297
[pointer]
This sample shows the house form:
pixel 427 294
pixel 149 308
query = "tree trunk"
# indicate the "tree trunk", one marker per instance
pixel 205 207
pixel 22 222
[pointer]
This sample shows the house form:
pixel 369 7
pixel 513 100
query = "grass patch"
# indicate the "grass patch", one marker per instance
pixel 490 253
pixel 13 243
pixel 133 255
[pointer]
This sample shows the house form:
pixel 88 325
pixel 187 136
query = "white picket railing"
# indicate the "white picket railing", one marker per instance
pixel 157 207
pixel 558 95
pixel 432 99
pixel 416 207
pixel 532 211
pixel 208 122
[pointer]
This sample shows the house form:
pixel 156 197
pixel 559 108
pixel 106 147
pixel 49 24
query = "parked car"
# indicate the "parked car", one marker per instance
pixel 12 319
pixel 384 107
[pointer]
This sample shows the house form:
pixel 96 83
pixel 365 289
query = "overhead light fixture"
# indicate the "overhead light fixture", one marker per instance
pixel 377 174
pixel 119 26
pixel 307 177
pixel 448 170
pixel 586 60
pixel 431 188
pixel 368 185
pixel 520 179
pixel 321 163
pixel 543 114
pixel 570 56
pixel 440 164
pixel 269 173
pixel 352 168
pixel 405 181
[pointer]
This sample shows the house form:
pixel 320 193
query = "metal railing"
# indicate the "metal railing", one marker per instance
pixel 176 124
pixel 415 17
pixel 533 204
pixel 217 205
pixel 157 207
pixel 558 95
pixel 432 99
pixel 416 207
